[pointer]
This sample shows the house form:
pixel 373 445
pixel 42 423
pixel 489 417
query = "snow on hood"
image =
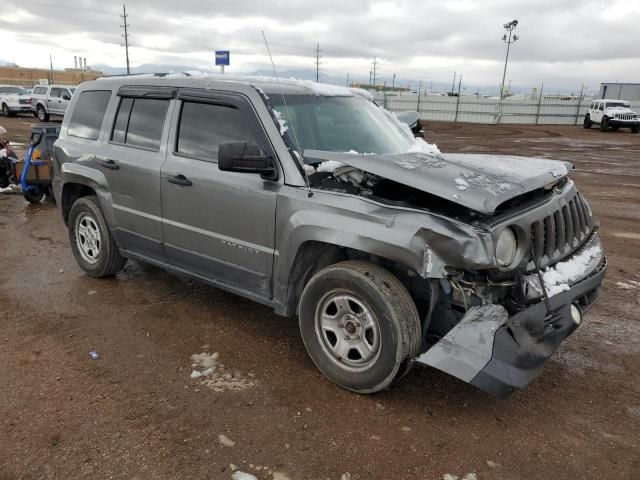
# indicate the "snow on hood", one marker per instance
pixel 477 181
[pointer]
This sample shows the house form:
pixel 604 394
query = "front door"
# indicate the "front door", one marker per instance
pixel 63 101
pixel 131 165
pixel 219 225
pixel 53 101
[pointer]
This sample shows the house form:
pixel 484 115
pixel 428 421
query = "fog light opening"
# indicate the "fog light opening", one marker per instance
pixel 576 315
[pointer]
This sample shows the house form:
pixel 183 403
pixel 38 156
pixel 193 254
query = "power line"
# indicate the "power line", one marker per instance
pixel 126 35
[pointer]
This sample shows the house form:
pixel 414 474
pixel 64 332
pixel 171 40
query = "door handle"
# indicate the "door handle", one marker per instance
pixel 109 164
pixel 180 180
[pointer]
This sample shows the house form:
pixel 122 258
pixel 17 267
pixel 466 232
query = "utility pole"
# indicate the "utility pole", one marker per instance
pixel 393 82
pixel 126 35
pixel 370 73
pixel 375 68
pixel 453 85
pixel 317 63
pixel 51 67
pixel 347 79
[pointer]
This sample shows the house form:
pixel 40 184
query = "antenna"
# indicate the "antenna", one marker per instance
pixel 286 107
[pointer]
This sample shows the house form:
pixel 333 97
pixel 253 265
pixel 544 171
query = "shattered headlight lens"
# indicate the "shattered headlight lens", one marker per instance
pixel 506 248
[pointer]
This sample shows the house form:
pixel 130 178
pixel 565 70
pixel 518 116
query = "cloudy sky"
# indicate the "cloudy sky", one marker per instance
pixel 563 42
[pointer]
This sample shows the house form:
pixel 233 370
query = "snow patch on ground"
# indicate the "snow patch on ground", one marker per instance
pixel 281 121
pixel 557 278
pixel 212 374
pixel 242 476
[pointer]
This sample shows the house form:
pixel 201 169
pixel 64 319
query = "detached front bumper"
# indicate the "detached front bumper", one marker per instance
pixel 500 354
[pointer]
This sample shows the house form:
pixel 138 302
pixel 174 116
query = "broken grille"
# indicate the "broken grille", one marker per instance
pixel 556 236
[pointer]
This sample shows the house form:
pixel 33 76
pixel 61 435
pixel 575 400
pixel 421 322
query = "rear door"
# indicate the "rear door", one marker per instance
pixel 219 225
pixel 135 148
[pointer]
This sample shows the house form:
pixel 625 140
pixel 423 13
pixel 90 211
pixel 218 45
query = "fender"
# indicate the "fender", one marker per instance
pixel 93 178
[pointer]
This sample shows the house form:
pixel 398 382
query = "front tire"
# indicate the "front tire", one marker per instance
pixel 604 124
pixel 41 113
pixel 5 110
pixel 587 121
pixel 359 325
pixel 92 244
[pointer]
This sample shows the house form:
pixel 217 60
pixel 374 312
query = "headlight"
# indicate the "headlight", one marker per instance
pixel 506 248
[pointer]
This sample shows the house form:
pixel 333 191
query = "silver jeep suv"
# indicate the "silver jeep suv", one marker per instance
pixel 315 201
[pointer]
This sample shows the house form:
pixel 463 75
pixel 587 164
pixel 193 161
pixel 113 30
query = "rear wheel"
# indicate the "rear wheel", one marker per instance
pixel 360 326
pixel 604 124
pixel 587 121
pixel 42 114
pixel 34 194
pixel 93 246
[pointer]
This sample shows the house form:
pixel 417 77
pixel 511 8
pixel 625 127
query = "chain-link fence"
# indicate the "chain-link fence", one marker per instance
pixel 529 110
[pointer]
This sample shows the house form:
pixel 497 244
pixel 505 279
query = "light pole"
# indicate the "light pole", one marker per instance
pixel 508 39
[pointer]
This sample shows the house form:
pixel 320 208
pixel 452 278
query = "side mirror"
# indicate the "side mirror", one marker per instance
pixel 412 120
pixel 245 157
pixel 66 97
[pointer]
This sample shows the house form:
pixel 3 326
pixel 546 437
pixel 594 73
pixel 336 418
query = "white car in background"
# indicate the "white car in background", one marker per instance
pixel 13 100
pixel 612 114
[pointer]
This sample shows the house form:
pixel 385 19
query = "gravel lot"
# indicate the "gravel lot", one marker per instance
pixel 135 413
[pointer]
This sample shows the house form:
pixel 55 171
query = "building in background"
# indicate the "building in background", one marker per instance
pixel 620 91
pixel 28 77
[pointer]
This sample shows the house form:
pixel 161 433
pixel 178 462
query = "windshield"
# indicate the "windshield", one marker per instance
pixel 341 124
pixel 617 104
pixel 17 90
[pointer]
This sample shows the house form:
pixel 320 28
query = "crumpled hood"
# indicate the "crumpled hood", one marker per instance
pixel 477 181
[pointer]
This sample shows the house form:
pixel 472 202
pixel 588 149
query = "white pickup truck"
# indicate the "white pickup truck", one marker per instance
pixel 612 114
pixel 13 100
pixel 47 100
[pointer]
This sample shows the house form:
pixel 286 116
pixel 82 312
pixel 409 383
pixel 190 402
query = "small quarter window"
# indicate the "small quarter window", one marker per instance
pixel 86 120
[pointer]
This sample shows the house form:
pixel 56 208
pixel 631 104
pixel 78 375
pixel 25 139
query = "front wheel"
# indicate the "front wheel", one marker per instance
pixel 587 121
pixel 604 124
pixel 92 244
pixel 5 110
pixel 359 325
pixel 43 116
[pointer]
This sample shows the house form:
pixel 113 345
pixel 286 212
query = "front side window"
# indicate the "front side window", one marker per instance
pixel 139 122
pixel 86 120
pixel 204 126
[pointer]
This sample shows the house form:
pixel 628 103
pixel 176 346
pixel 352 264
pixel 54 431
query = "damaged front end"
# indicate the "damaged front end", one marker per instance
pixel 492 314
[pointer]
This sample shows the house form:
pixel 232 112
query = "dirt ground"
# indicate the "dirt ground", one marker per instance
pixel 134 412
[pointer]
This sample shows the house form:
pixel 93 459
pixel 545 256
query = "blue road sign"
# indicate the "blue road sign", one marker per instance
pixel 222 57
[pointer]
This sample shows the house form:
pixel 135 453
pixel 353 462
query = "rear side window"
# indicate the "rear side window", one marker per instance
pixel 204 126
pixel 139 122
pixel 88 113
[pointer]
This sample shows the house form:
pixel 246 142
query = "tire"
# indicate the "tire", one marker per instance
pixel 604 124
pixel 635 129
pixel 587 121
pixel 34 194
pixel 41 113
pixel 92 244
pixel 5 110
pixel 381 320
